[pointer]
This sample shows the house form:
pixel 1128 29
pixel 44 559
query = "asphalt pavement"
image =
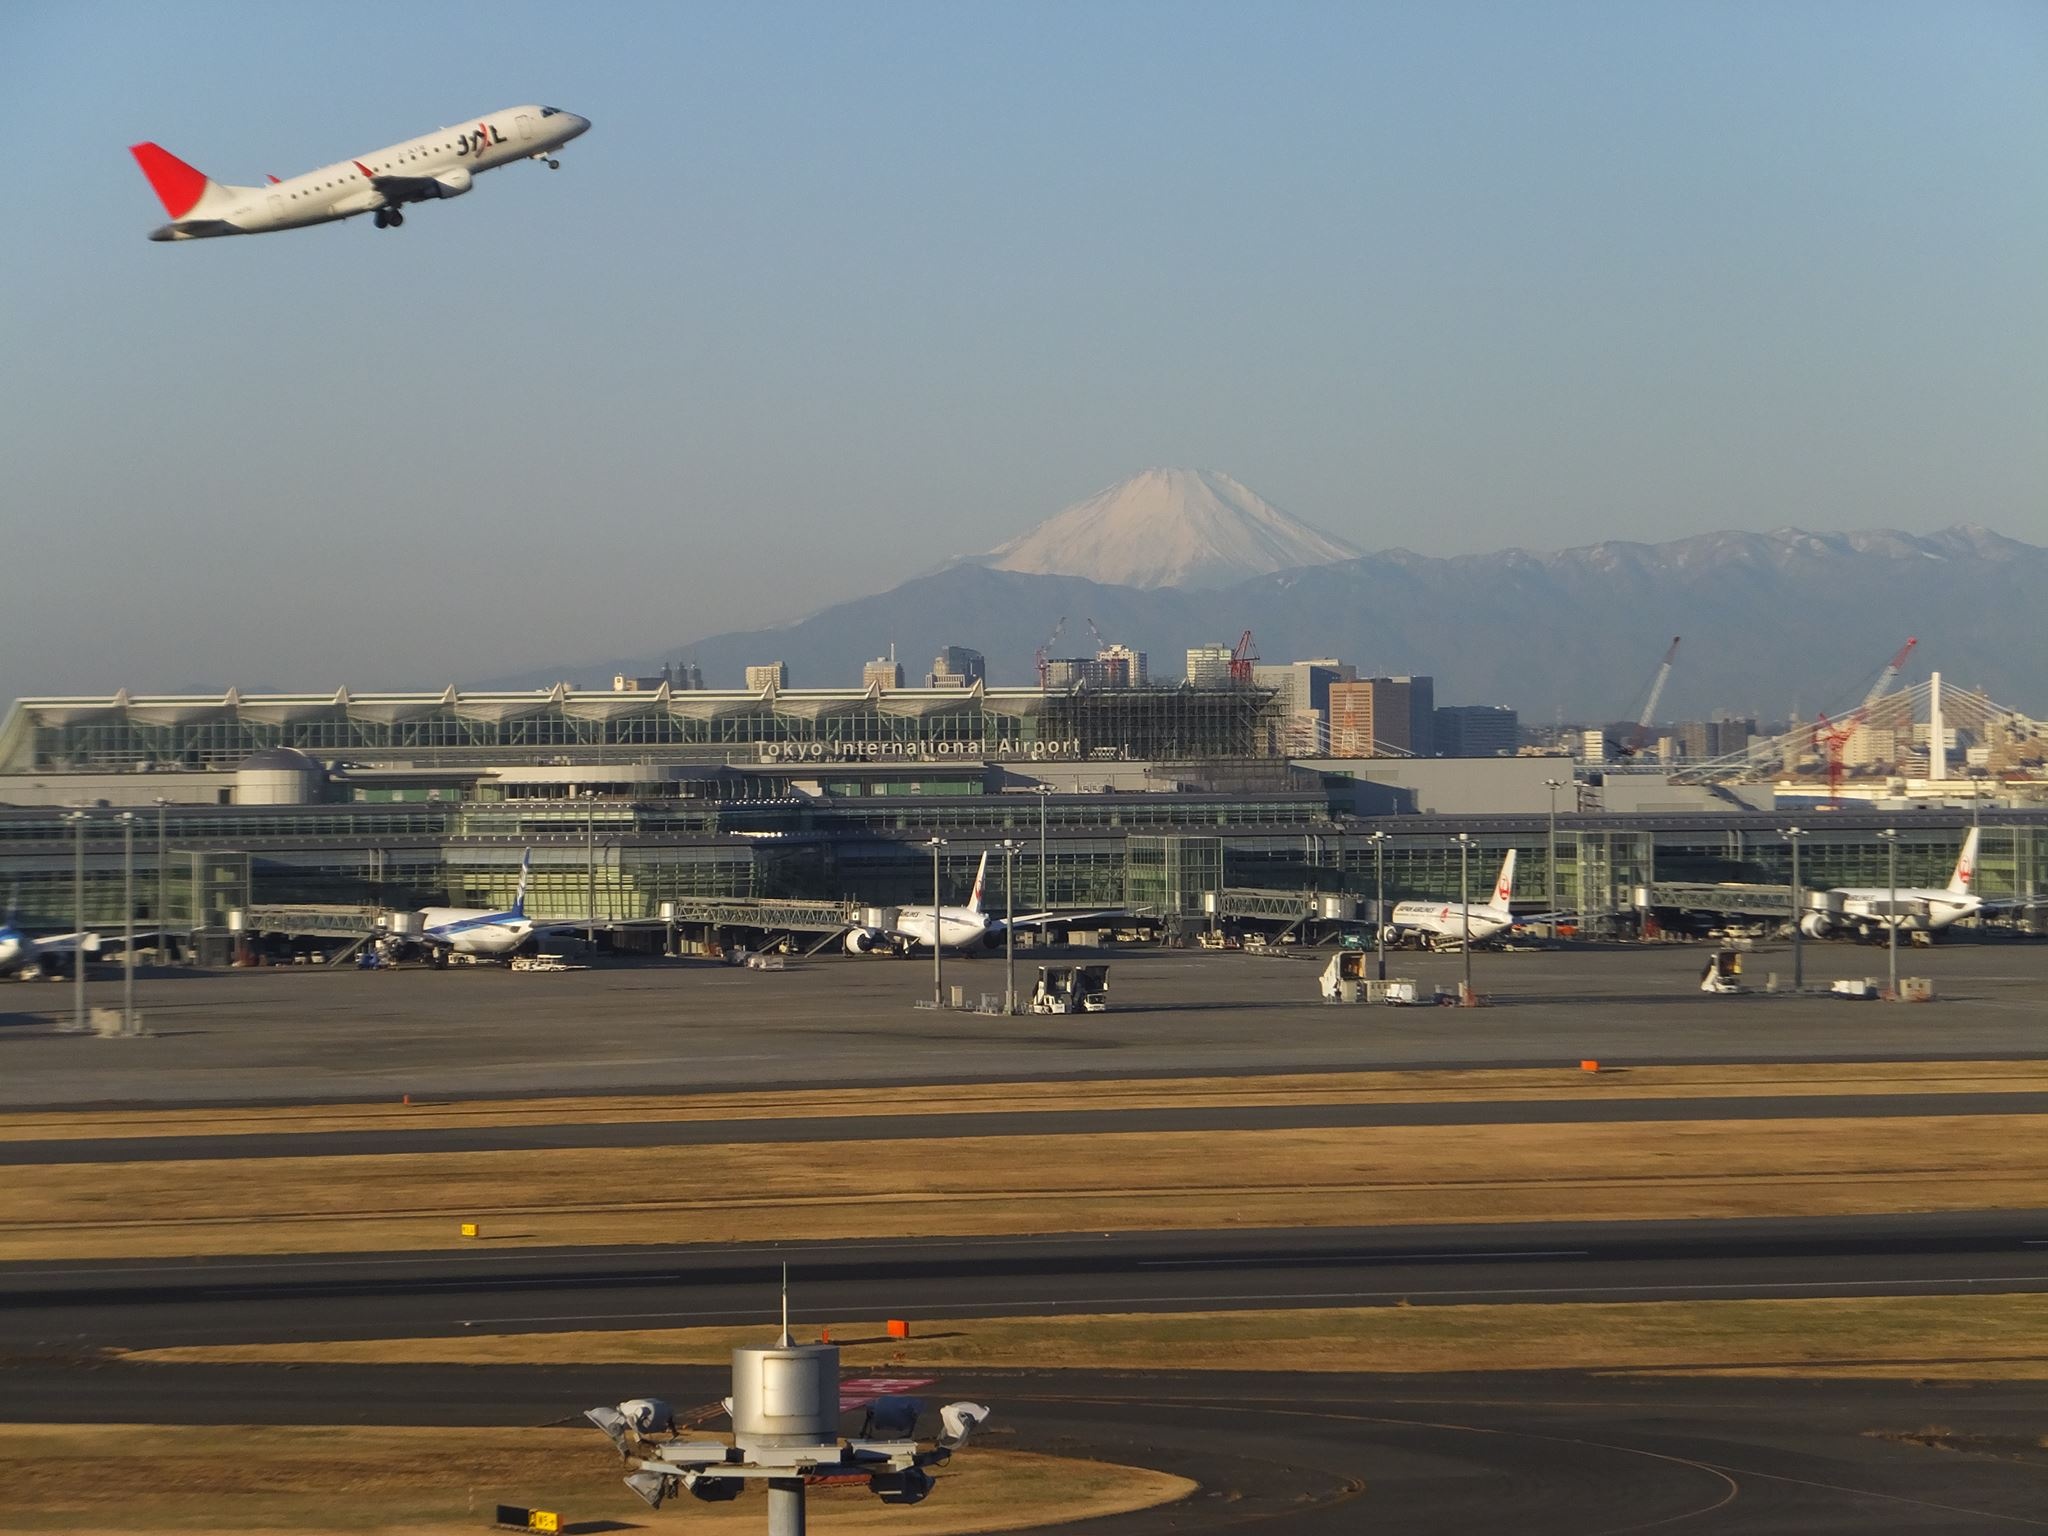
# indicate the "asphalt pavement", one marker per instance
pixel 69 1307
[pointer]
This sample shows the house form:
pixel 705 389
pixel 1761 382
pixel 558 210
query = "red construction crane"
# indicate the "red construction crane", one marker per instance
pixel 1242 659
pixel 1832 736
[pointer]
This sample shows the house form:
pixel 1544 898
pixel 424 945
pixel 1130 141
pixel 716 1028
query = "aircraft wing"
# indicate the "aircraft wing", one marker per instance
pixel 68 943
pixel 1048 919
pixel 403 189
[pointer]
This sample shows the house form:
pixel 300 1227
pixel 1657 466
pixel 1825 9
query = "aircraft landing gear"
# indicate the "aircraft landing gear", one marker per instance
pixel 554 165
pixel 389 218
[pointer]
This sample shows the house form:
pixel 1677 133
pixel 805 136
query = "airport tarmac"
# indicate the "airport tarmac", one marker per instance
pixel 299 1034
pixel 1549 1452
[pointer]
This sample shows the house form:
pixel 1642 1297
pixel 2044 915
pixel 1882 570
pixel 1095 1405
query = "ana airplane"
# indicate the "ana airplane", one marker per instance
pixel 1867 910
pixel 478 931
pixel 23 955
pixel 435 165
pixel 1440 924
pixel 967 927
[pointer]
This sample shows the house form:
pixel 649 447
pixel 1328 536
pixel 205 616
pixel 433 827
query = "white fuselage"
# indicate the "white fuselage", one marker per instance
pixel 1910 911
pixel 434 165
pixel 1452 919
pixel 958 927
pixel 473 931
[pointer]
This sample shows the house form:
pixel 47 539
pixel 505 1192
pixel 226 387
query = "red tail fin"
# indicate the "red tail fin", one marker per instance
pixel 177 184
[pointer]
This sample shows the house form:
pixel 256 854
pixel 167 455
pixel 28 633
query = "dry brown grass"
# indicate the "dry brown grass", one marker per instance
pixel 424 1482
pixel 966 1186
pixel 1566 1082
pixel 1976 1337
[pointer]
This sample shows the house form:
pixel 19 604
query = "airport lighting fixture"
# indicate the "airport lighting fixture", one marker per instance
pixel 1465 909
pixel 1891 912
pixel 1792 836
pixel 127 922
pixel 163 880
pixel 1550 858
pixel 1379 902
pixel 1010 847
pixel 938 929
pixel 590 869
pixel 784 1409
pixel 1044 796
pixel 77 820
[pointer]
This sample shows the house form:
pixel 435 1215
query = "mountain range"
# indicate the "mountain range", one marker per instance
pixel 1772 622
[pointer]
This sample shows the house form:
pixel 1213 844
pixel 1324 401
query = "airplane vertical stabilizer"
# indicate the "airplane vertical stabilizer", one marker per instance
pixel 525 874
pixel 184 190
pixel 1966 867
pixel 980 875
pixel 1504 887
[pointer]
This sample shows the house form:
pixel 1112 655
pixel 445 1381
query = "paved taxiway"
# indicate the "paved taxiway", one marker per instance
pixel 1544 1452
pixel 300 1034
pixel 70 1306
pixel 910 1125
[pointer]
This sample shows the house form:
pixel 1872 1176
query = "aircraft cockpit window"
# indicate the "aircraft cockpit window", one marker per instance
pixel 549 111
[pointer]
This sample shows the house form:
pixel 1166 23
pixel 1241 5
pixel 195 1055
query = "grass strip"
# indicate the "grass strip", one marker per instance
pixel 1008 1185
pixel 1977 1337
pixel 425 1482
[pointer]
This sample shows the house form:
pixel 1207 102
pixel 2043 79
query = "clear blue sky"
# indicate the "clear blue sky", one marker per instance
pixel 832 292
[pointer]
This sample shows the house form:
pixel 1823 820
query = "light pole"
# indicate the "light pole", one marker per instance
pixel 1792 836
pixel 1550 858
pixel 1379 904
pixel 127 922
pixel 1044 796
pixel 1891 843
pixel 1465 908
pixel 163 884
pixel 1010 847
pixel 590 869
pixel 77 820
pixel 938 929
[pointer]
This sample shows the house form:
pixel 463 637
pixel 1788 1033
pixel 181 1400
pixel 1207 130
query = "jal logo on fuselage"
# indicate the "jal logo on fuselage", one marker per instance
pixel 485 137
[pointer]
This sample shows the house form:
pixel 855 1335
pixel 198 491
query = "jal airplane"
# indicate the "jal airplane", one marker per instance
pixel 1870 909
pixel 967 927
pixel 478 930
pixel 435 165
pixel 1443 923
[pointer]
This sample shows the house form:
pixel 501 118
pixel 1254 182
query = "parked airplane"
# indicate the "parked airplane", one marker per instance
pixel 23 955
pixel 967 927
pixel 436 165
pixel 1867 909
pixel 1440 924
pixel 479 931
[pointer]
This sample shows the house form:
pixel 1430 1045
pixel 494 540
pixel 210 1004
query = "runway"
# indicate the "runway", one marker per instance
pixel 69 1307
pixel 1550 1454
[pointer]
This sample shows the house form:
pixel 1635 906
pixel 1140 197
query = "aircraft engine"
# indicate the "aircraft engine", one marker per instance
pixel 992 938
pixel 1815 926
pixel 866 941
pixel 453 182
pixel 1390 936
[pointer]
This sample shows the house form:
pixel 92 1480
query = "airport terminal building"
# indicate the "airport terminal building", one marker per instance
pixel 636 802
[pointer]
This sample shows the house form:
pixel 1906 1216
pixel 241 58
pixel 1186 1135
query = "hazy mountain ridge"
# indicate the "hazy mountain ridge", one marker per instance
pixel 1770 620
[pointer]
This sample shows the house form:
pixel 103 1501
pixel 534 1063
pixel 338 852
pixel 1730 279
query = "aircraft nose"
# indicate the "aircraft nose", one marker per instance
pixel 578 125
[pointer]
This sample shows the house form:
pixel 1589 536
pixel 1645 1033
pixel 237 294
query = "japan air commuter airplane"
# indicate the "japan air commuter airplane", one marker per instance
pixel 435 165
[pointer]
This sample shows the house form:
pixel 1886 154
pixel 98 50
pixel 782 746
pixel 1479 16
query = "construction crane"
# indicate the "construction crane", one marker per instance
pixel 1096 630
pixel 1242 659
pixel 1634 745
pixel 1832 736
pixel 1045 653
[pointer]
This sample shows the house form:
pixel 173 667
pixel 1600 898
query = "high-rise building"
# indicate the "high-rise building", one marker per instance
pixel 1300 718
pixel 957 666
pixel 1209 665
pixel 883 671
pixel 682 676
pixel 1122 667
pixel 1477 730
pixel 769 674
pixel 1383 717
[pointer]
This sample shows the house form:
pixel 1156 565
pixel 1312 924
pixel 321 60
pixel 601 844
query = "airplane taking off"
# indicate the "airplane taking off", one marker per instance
pixel 480 931
pixel 435 165
pixel 1440 924
pixel 1869 909
pixel 965 927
